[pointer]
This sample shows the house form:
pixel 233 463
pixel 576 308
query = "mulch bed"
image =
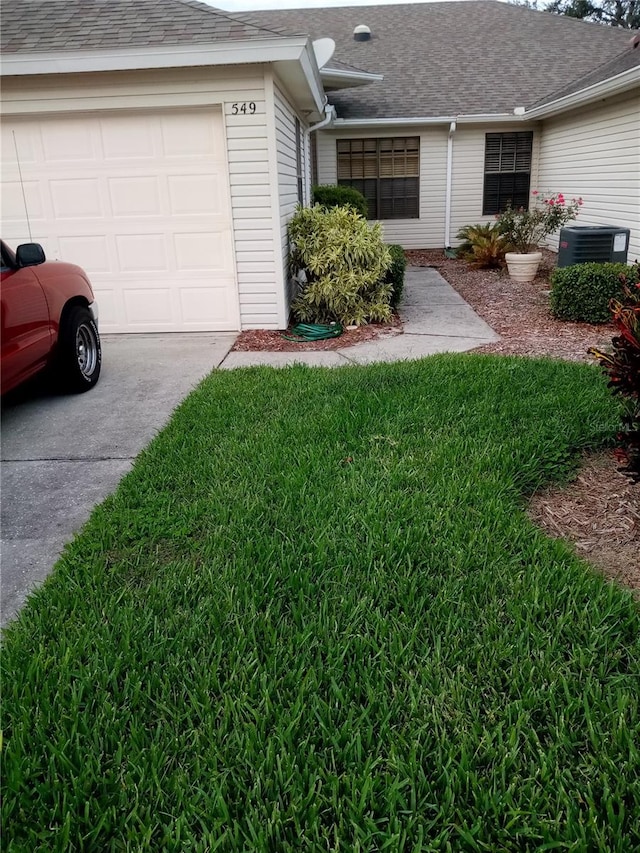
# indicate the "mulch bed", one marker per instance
pixel 599 512
pixel 267 340
pixel 519 313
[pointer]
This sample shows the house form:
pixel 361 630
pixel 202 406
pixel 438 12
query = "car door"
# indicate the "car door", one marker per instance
pixel 26 331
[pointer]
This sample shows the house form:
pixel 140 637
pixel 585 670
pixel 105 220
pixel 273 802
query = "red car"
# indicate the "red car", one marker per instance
pixel 49 320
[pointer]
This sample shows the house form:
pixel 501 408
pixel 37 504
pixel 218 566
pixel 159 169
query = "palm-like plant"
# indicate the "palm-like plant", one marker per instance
pixel 482 246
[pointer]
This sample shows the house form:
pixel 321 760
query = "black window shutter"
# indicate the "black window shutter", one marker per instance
pixel 507 171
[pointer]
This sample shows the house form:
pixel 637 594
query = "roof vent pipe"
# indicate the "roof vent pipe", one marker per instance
pixel 362 33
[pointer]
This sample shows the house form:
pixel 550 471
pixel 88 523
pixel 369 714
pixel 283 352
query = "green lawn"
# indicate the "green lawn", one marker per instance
pixel 316 617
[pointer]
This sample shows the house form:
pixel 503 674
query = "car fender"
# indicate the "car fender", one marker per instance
pixel 64 285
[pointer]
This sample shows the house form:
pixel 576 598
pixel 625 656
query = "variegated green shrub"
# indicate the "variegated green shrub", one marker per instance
pixel 344 261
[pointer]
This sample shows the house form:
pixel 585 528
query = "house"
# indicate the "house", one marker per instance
pixel 164 144
pixel 480 102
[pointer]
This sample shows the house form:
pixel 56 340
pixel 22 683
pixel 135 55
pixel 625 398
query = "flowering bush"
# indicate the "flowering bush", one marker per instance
pixel 523 230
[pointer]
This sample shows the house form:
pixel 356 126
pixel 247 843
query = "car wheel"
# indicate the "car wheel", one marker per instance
pixel 79 351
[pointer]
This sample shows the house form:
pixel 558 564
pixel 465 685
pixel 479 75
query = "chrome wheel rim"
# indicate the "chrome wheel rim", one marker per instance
pixel 86 351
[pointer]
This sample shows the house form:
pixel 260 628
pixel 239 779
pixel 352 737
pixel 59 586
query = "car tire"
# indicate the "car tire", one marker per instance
pixel 79 352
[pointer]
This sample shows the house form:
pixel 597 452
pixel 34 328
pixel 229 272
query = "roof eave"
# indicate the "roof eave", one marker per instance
pixel 334 78
pixel 616 85
pixel 411 121
pixel 292 58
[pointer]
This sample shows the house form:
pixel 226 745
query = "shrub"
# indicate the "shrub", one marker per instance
pixel 583 292
pixel 525 228
pixel 345 262
pixel 482 246
pixel 395 273
pixel 331 196
pixel 622 366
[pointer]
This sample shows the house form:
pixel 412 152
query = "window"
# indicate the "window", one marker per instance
pixel 507 171
pixel 5 264
pixel 385 171
pixel 299 175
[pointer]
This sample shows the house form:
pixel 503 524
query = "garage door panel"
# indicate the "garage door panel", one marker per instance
pixel 77 199
pixel 202 304
pixel 135 196
pixel 194 195
pixel 141 201
pixel 123 138
pixel 11 138
pixel 68 141
pixel 147 307
pixel 142 253
pixel 193 138
pixel 151 308
pixel 91 252
pixel 204 252
pixel 13 207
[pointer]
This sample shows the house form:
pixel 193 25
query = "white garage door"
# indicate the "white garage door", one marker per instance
pixel 141 201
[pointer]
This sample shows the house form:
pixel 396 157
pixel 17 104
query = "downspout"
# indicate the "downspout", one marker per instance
pixel 447 201
pixel 329 117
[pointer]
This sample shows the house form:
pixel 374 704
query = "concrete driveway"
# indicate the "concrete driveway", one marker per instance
pixel 61 455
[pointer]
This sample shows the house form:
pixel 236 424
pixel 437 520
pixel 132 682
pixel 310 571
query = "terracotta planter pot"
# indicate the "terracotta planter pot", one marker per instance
pixel 523 267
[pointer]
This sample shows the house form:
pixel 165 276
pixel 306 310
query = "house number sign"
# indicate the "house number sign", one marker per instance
pixel 247 108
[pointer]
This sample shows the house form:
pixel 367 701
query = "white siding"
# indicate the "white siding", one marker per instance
pixel 250 176
pixel 595 153
pixel 468 173
pixel 285 121
pixel 251 202
pixel 287 175
pixel 326 157
pixel 428 231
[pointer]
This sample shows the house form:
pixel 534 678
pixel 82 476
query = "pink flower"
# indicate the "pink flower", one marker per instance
pixel 580 202
pixel 535 192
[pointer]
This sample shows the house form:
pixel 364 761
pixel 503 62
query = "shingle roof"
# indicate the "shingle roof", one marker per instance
pixel 343 66
pixel 478 56
pixel 444 58
pixel 624 61
pixel 56 25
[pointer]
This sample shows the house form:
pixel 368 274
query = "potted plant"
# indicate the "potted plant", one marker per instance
pixel 523 231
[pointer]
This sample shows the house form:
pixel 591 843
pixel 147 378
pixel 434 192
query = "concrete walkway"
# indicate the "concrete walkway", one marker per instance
pixel 435 319
pixel 63 454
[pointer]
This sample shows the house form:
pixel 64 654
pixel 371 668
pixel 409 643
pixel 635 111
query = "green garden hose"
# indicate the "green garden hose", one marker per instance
pixel 305 332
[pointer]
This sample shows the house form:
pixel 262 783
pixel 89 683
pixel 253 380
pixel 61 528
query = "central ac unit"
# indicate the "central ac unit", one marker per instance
pixel 581 244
